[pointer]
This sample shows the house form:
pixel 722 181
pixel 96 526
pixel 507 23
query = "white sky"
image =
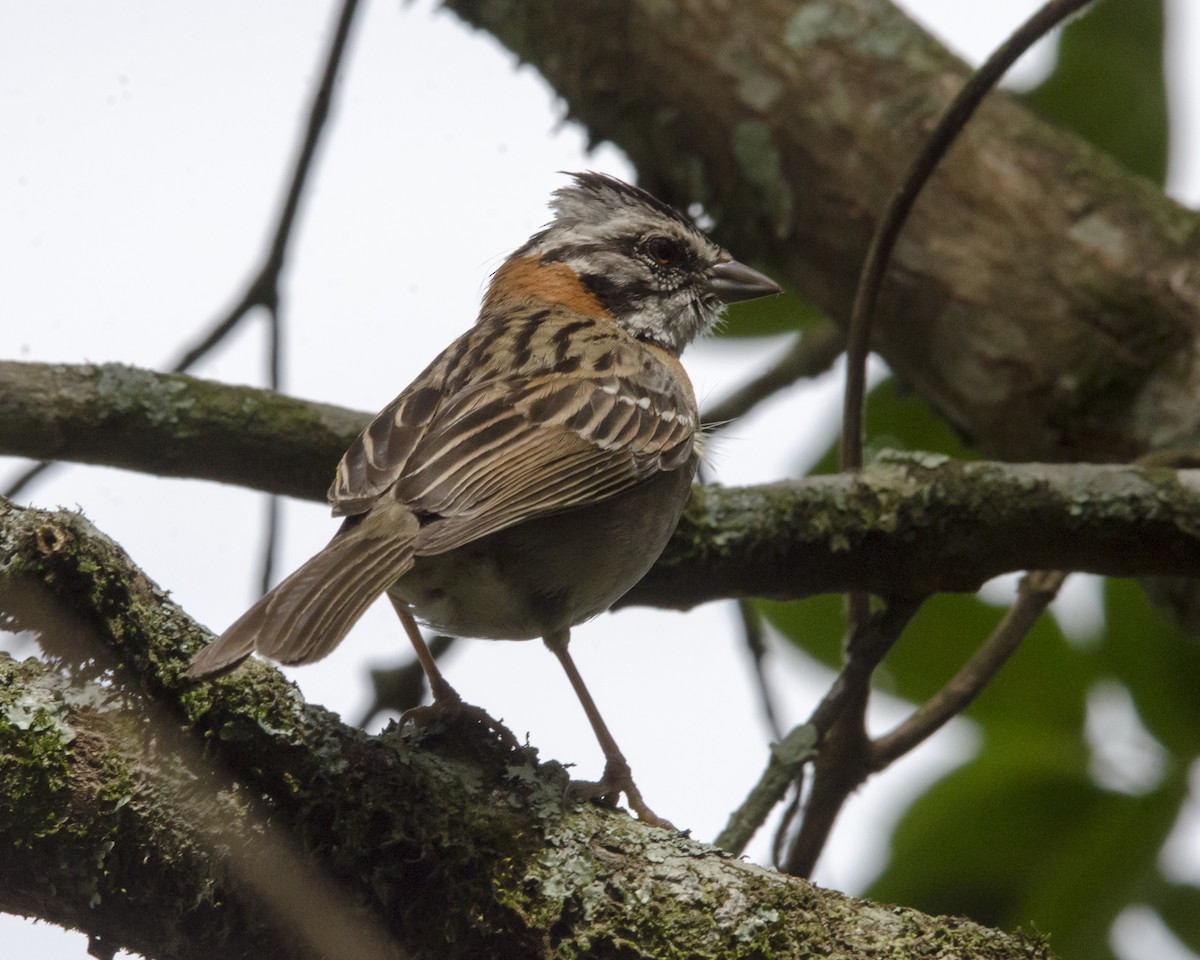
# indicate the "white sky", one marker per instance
pixel 142 152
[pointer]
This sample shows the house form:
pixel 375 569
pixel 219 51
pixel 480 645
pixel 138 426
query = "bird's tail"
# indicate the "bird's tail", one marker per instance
pixel 309 613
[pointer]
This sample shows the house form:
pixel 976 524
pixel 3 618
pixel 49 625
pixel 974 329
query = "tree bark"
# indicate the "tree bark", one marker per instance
pixel 312 838
pixel 906 525
pixel 173 424
pixel 1044 300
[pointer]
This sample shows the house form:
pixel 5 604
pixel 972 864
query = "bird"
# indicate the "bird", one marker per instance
pixel 535 470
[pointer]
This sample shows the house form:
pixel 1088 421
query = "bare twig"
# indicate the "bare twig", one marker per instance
pixel 266 569
pixel 1038 588
pixel 788 758
pixel 812 354
pixel 846 753
pixel 844 750
pixel 266 574
pixel 870 281
pixel 789 820
pixel 847 756
pixel 23 480
pixel 752 630
pixel 263 289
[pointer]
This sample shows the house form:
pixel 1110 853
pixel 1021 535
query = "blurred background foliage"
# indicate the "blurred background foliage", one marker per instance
pixel 1060 821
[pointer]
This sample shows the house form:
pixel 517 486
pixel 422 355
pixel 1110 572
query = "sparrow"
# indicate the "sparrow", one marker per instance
pixel 534 471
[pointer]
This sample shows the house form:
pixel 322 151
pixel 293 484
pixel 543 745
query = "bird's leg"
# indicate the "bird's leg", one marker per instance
pixel 446 700
pixel 617 778
pixel 438 687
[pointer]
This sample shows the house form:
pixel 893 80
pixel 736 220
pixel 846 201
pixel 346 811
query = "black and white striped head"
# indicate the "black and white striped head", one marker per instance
pixel 646 263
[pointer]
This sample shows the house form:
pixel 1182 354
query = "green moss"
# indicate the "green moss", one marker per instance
pixel 34 775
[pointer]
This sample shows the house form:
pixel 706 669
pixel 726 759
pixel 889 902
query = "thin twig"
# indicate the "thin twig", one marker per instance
pixel 23 480
pixel 843 757
pixel 271 527
pixel 266 569
pixel 883 629
pixel 870 280
pixel 752 630
pixel 791 816
pixel 844 760
pixel 1038 588
pixel 263 289
pixel 887 230
pixel 788 757
pixel 811 355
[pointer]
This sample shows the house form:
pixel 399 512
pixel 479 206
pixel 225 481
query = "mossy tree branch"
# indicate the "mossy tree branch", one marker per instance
pixel 903 526
pixel 442 842
pixel 173 424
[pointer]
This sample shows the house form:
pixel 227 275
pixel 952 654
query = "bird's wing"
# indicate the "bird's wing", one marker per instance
pixel 472 459
pixel 377 457
pixel 519 451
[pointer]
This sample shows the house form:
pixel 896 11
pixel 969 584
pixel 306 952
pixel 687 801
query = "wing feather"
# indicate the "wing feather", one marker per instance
pixel 474 455
pixel 603 436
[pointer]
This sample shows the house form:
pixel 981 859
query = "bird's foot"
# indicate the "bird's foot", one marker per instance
pixel 618 779
pixel 449 707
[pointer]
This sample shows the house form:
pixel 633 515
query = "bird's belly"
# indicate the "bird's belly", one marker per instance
pixel 548 574
pixel 467 595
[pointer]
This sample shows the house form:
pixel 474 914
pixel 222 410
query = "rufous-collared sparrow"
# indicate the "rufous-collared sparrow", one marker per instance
pixel 534 471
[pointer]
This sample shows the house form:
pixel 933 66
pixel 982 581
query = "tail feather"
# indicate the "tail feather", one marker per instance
pixel 309 613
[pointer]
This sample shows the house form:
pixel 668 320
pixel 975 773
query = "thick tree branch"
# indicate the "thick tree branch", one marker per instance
pixel 1046 301
pixel 448 843
pixel 906 525
pixel 173 425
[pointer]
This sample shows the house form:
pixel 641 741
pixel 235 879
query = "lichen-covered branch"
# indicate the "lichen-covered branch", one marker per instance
pixel 435 843
pixel 172 425
pixel 905 525
pixel 1043 299
pixel 911 526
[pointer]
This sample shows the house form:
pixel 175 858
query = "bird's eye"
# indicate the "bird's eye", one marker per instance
pixel 664 251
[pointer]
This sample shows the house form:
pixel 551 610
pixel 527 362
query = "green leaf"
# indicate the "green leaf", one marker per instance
pixel 815 625
pixel 1157 662
pixel 969 846
pixel 1108 85
pixel 1179 907
pixel 768 316
pixel 1104 861
pixel 1022 837
pixel 899 419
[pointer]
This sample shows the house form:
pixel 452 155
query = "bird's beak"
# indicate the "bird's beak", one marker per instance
pixel 733 282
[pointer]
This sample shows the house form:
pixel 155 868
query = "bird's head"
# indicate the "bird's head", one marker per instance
pixel 645 263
